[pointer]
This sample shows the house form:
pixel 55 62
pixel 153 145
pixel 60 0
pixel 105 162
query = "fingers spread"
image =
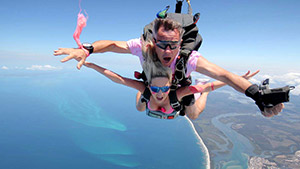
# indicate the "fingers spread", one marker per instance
pixel 57 52
pixel 63 51
pixel 67 58
pixel 253 74
pixel 80 63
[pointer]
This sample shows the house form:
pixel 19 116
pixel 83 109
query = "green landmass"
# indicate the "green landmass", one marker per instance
pixel 271 137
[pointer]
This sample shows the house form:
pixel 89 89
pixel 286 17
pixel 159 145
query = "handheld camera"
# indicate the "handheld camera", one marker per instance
pixel 272 97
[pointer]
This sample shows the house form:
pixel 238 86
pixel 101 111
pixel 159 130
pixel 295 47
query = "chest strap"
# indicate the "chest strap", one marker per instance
pixel 174 102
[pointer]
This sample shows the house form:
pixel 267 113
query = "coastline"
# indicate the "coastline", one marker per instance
pixel 202 143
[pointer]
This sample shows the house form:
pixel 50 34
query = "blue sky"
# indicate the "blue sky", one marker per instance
pixel 238 35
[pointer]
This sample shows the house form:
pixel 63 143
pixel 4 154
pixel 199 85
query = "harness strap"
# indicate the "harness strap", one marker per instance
pixel 180 69
pixel 174 101
pixel 145 97
pixel 185 53
pixel 179 78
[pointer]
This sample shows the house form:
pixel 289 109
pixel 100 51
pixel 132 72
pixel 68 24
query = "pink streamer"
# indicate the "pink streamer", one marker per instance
pixel 81 23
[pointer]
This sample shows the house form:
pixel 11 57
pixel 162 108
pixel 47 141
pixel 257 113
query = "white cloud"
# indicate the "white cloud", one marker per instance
pixel 43 67
pixel 296 91
pixel 289 78
pixel 276 81
pixel 4 68
pixel 292 79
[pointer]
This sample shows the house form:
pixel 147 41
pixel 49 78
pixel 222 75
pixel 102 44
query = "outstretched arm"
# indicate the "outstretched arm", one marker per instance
pixel 184 91
pixel 99 47
pixel 217 84
pixel 102 46
pixel 238 83
pixel 209 69
pixel 140 86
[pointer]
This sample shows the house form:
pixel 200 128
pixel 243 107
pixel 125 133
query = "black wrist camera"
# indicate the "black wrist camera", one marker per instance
pixel 271 97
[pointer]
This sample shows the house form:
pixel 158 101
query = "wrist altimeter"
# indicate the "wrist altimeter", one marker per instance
pixel 89 47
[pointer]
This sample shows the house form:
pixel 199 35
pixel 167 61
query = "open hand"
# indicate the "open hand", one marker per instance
pixel 72 53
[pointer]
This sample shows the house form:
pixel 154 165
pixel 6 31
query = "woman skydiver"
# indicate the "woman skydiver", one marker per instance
pixel 158 83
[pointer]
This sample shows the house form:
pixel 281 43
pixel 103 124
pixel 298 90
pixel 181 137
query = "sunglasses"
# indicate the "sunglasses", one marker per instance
pixel 156 89
pixel 164 44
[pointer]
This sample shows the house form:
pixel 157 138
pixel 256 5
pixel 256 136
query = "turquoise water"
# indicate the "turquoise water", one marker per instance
pixel 242 148
pixel 82 120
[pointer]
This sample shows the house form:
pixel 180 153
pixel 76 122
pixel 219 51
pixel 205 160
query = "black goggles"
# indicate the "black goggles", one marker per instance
pixel 163 44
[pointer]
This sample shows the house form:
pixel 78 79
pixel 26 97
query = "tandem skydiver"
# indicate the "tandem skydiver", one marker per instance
pixel 158 100
pixel 167 40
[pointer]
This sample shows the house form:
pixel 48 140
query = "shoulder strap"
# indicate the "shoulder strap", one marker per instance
pixel 145 97
pixel 180 69
pixel 185 54
pixel 175 104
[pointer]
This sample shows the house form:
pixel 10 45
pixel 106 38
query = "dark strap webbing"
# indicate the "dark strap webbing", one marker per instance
pixel 175 104
pixel 178 6
pixel 179 77
pixel 145 97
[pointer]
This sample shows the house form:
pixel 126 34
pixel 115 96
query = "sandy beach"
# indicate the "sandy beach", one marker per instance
pixel 202 143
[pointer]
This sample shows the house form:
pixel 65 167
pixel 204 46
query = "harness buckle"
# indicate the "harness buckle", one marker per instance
pixel 175 105
pixel 144 99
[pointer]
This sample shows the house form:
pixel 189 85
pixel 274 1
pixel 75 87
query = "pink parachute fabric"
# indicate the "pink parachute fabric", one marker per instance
pixel 81 23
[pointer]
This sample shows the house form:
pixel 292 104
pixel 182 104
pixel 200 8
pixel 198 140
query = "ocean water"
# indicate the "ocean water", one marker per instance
pixel 82 120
